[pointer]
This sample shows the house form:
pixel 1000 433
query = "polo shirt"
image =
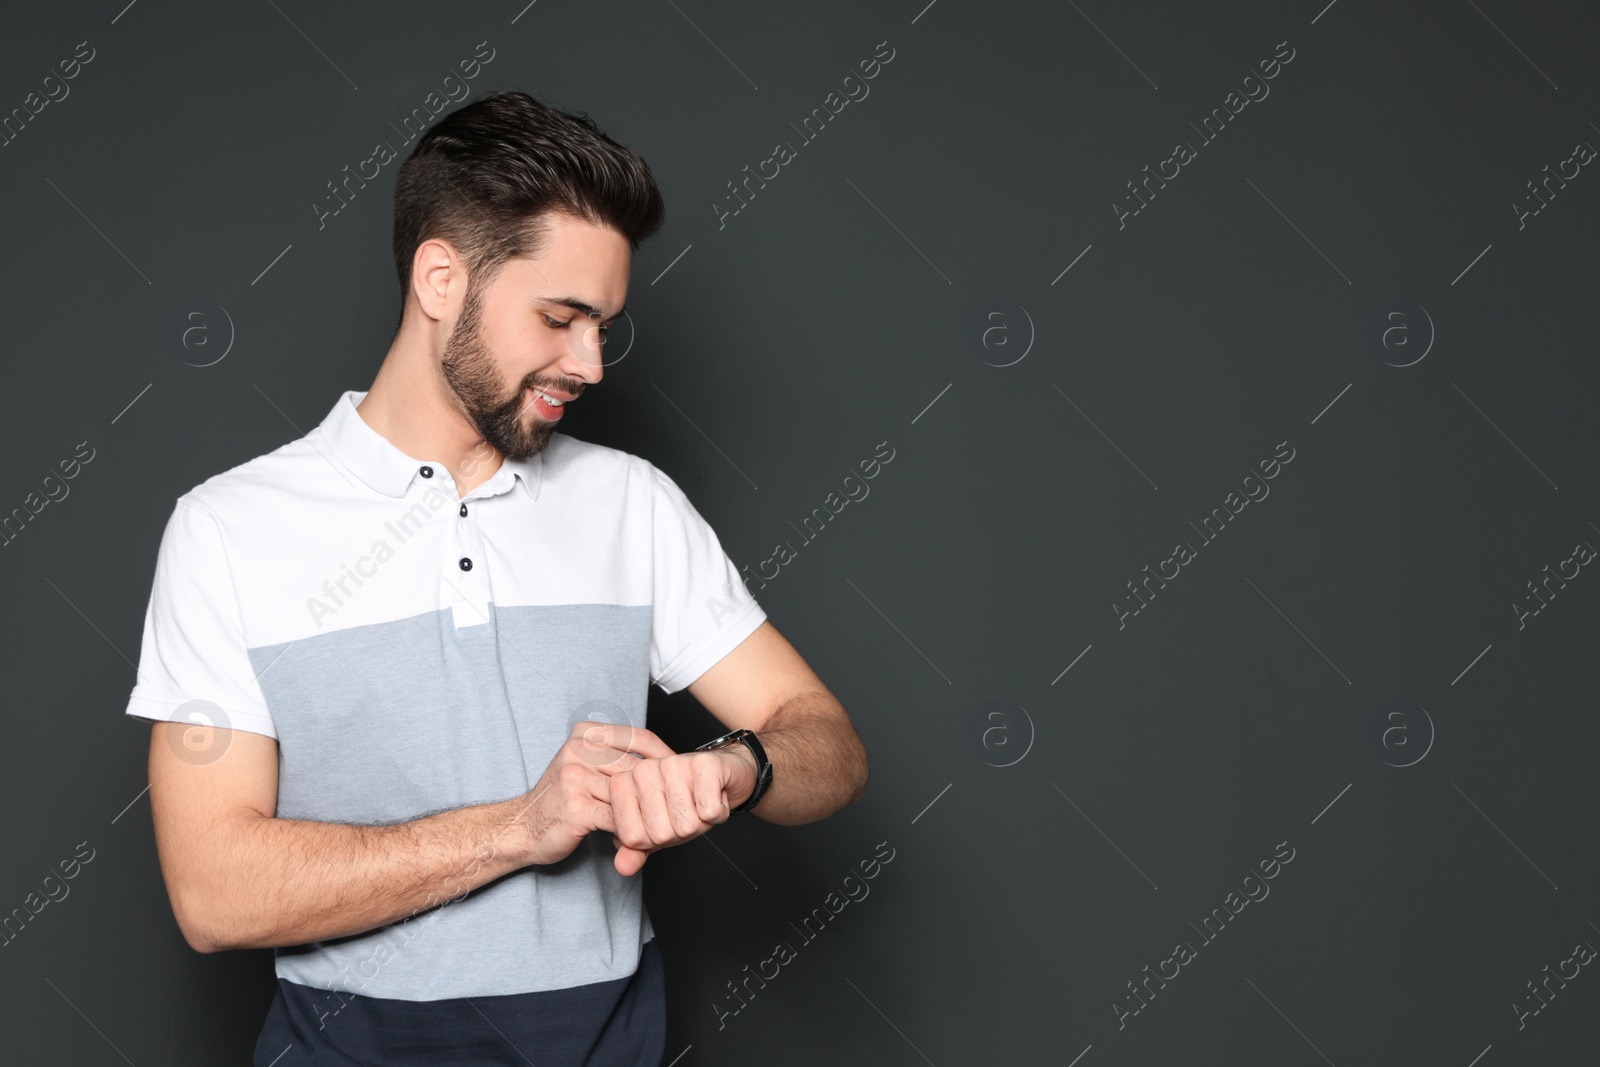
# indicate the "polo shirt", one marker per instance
pixel 414 651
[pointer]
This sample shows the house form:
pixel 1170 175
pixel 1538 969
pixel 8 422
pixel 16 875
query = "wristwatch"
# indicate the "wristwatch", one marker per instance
pixel 763 765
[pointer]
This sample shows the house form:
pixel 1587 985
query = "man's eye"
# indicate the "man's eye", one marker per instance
pixel 553 323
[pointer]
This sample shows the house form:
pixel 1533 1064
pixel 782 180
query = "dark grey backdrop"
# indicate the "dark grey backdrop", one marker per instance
pixel 1350 269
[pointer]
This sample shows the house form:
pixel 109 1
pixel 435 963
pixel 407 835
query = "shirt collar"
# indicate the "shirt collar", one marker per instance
pixel 376 460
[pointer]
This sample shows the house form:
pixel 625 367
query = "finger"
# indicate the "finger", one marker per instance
pixel 629 861
pixel 624 737
pixel 582 798
pixel 682 803
pixel 592 750
pixel 595 743
pixel 652 790
pixel 608 762
pixel 598 815
pixel 602 743
pixel 710 793
pixel 644 742
pixel 583 781
pixel 627 823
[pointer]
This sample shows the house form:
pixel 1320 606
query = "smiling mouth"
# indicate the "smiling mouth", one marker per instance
pixel 549 405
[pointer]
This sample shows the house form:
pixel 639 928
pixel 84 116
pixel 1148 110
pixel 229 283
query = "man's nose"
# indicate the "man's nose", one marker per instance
pixel 587 352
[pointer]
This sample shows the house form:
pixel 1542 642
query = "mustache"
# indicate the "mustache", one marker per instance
pixel 568 386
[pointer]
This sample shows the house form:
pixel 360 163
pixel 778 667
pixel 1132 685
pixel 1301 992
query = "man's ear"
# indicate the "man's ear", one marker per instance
pixel 438 274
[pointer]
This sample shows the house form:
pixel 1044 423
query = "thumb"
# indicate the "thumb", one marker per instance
pixel 628 861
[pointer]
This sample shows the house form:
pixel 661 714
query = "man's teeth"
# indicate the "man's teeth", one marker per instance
pixel 550 400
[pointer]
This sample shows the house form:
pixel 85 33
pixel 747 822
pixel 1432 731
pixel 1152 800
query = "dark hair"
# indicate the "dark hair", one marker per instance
pixel 486 176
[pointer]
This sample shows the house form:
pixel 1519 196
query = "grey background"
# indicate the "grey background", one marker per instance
pixel 1248 704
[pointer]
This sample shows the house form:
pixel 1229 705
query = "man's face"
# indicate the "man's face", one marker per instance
pixel 521 334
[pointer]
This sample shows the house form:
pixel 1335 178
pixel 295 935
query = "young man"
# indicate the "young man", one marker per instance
pixel 399 666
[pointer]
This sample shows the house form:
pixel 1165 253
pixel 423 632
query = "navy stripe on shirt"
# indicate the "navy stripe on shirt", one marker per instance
pixel 618 1023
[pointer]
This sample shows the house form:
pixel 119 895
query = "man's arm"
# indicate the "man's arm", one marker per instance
pixel 239 877
pixel 819 764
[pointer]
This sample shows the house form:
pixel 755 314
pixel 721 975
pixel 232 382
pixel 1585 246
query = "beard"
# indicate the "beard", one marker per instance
pixel 470 371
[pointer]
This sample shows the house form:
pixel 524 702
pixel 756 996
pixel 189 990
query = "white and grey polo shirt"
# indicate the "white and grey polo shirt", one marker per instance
pixel 413 651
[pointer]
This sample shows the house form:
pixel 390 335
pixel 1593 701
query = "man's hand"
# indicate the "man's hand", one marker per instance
pixel 573 796
pixel 662 801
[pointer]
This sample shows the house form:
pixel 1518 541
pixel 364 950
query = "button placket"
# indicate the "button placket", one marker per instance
pixel 467 572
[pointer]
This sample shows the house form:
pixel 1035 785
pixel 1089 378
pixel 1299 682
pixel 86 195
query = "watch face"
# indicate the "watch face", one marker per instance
pixel 719 742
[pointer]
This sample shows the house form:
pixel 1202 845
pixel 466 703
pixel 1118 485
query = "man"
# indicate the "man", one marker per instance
pixel 399 666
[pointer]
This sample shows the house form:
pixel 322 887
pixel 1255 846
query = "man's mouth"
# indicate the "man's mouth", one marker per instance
pixel 550 405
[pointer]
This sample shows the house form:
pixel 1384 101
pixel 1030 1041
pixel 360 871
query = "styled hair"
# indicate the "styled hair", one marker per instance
pixel 487 176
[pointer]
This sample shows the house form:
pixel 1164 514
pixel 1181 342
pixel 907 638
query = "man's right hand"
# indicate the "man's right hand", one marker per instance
pixel 573 796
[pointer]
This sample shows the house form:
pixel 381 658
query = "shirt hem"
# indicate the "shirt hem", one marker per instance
pixel 166 709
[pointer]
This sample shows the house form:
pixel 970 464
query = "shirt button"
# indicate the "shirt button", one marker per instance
pixel 466 564
pixel 463 511
pixel 427 472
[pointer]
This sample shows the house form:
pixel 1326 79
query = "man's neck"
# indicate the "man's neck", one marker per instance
pixel 407 406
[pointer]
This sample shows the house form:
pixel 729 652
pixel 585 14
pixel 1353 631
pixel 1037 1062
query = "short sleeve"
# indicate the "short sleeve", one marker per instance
pixel 701 609
pixel 193 647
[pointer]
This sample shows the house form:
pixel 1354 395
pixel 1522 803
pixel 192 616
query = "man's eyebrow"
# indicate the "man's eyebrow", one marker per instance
pixel 579 305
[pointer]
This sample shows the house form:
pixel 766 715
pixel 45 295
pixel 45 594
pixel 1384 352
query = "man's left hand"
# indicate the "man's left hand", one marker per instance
pixel 667 801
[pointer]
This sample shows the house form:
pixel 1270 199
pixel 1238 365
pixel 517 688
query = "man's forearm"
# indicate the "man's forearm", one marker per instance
pixel 818 762
pixel 290 881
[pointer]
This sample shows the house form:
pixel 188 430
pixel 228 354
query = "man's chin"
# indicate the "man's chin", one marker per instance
pixel 531 446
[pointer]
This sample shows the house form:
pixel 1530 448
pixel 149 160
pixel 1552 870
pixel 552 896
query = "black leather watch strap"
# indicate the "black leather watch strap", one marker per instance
pixel 763 765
